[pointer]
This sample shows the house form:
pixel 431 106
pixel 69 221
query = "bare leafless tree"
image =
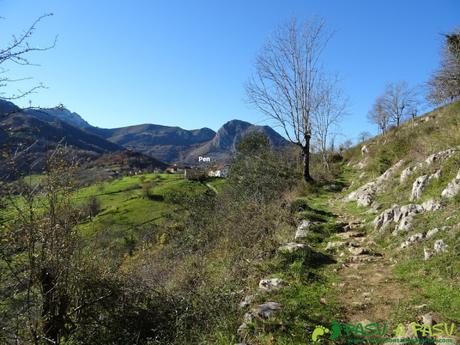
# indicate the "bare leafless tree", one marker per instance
pixel 326 119
pixel 444 85
pixel 399 102
pixel 379 116
pixel 17 52
pixel 363 136
pixel 290 84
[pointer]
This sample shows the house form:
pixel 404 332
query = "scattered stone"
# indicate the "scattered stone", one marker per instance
pixel 272 284
pixel 331 246
pixel 247 301
pixel 412 239
pixel 453 188
pixel 421 306
pixel 432 232
pixel 303 229
pixel 427 254
pixel 440 246
pixel 350 234
pixel 358 251
pixel 362 258
pixel 267 310
pixel 427 319
pixel 292 247
pixel 352 226
pixel 242 330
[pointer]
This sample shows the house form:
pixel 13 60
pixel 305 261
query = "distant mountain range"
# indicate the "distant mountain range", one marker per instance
pixel 46 127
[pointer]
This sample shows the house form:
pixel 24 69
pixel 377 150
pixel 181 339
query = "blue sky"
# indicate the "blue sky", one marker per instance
pixel 185 63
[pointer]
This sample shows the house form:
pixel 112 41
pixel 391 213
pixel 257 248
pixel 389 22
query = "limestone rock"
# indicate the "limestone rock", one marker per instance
pixel 440 246
pixel 442 155
pixel 412 239
pixel 331 246
pixel 405 224
pixel 364 196
pixel 420 183
pixel 427 253
pixel 364 150
pixel 272 284
pixel 302 229
pixel 350 234
pixel 431 205
pixel 386 217
pixel 292 247
pixel 418 186
pixel 453 188
pixel 246 302
pixel 358 251
pixel 408 172
pixel 267 310
pixel 432 232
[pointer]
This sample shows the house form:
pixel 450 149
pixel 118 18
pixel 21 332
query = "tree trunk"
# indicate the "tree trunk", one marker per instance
pixel 306 160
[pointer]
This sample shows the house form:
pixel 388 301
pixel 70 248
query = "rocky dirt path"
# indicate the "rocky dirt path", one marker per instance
pixel 369 290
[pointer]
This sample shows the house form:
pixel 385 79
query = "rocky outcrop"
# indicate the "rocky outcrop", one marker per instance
pixel 439 156
pixel 453 188
pixel 365 195
pixel 400 214
pixel 435 157
pixel 408 172
pixel 420 183
pixel 405 224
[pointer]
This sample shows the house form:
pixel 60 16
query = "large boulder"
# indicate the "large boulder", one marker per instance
pixel 453 188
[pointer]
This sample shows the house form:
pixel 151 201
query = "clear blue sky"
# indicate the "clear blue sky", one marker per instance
pixel 185 63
